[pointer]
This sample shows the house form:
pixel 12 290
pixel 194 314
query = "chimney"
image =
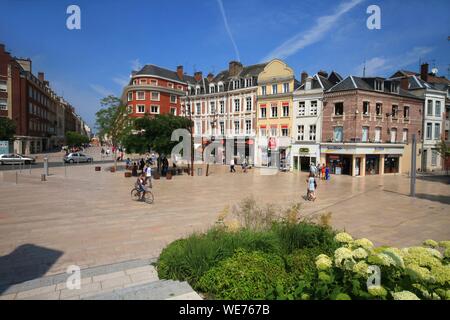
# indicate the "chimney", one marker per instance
pixel 323 73
pixel 303 76
pixel 198 76
pixel 404 83
pixel 2 47
pixel 180 72
pixel 210 77
pixel 41 76
pixel 234 68
pixel 25 64
pixel 424 72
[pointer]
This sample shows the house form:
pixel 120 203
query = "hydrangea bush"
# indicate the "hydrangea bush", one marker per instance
pixel 415 273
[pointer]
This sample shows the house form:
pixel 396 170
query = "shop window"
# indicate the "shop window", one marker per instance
pixel 391 163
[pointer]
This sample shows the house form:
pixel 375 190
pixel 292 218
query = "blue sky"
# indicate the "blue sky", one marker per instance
pixel 204 35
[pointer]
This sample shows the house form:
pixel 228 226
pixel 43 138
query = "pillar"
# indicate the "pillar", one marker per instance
pixel 381 163
pixel 353 165
pixel 363 165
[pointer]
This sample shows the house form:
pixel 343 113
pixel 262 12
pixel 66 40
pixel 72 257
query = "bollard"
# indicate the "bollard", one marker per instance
pixel 17 178
pixel 46 165
pixel 30 168
pixel 199 171
pixel 43 177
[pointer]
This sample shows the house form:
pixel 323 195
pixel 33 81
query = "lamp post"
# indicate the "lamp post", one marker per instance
pixel 187 109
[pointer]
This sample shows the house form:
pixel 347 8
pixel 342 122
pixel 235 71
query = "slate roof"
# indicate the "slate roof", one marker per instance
pixel 319 81
pixel 151 69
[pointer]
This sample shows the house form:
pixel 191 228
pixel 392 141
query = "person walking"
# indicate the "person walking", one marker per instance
pixel 319 171
pixel 232 165
pixel 327 173
pixel 323 171
pixel 141 165
pixel 148 175
pixel 134 170
pixel 312 185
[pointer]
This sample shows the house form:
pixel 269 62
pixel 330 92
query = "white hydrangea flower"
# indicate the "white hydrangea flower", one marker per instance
pixel 343 237
pixel 430 243
pixel 404 295
pixel 377 291
pixel 363 243
pixel 323 262
pixel 360 253
pixel 342 254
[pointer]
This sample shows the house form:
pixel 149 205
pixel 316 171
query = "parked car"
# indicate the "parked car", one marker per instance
pixel 77 157
pixel 15 158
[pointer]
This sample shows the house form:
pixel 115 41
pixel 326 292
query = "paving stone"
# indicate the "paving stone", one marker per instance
pixel 148 268
pixel 187 296
pixel 10 296
pixel 88 288
pixel 36 291
pixel 45 296
pixel 108 276
pixel 115 282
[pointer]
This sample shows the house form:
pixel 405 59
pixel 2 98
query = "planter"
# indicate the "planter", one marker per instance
pixel 112 169
pixel 127 174
pixel 169 176
pixel 98 168
pixel 156 176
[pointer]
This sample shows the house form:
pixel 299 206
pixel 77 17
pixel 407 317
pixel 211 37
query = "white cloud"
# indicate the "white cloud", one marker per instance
pixel 378 65
pixel 304 39
pixel 121 81
pixel 101 90
pixel 136 64
pixel 227 27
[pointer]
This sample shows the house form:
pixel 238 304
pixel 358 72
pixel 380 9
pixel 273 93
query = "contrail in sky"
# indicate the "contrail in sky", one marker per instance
pixel 225 21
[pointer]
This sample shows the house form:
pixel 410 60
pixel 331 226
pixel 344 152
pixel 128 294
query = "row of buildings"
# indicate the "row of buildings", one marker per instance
pixel 42 117
pixel 356 125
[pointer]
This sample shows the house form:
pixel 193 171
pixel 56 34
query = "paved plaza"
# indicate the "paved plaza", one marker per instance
pixel 87 218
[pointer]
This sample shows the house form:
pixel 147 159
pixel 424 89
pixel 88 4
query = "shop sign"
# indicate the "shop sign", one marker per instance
pixel 393 155
pixel 304 150
pixel 272 143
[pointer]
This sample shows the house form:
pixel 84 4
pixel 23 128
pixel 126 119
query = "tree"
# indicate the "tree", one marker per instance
pixel 7 129
pixel 444 151
pixel 155 133
pixel 112 120
pixel 75 139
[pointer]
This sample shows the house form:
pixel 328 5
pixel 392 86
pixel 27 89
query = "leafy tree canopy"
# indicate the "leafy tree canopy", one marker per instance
pixel 112 120
pixel 75 139
pixel 7 129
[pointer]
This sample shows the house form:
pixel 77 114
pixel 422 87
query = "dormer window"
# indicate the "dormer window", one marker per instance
pixel 220 87
pixel 212 89
pixel 236 84
pixel 248 82
pixel 394 87
pixel 378 85
pixel 197 90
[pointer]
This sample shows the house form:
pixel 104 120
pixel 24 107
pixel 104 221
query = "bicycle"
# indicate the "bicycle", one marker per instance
pixel 136 195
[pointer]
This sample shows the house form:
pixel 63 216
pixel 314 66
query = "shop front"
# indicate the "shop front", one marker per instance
pixel 304 155
pixel 362 159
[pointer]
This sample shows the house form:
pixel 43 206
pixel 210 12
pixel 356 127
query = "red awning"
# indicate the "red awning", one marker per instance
pixel 263 105
pixel 250 141
pixel 284 126
pixel 284 104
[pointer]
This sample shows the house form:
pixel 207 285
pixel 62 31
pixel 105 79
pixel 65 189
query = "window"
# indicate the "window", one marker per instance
pixel 248 82
pixel 430 108
pixel 405 135
pixel 140 109
pixel 263 90
pixel 366 108
pixel 429 133
pixel 377 134
pixel 3 86
pixel 30 92
pixel 393 135
pixel 285 132
pixel 313 109
pixel 154 82
pixel 312 132
pixel 220 87
pixel 274 89
pixel 300 133
pixel 437 131
pixel 406 112
pixel 222 106
pixel 301 109
pixel 199 108
pixel 438 109
pixel 170 85
pixel 285 87
pixel 212 107
pixel 274 111
pixel 154 109
pixel 236 127
pixel 143 81
pixel 273 131
pixel 394 111
pixel 3 105
pixel 237 105
pixel 434 154
pixel 249 103
pixel 338 109
pixel 262 132
pixel 222 128
pixel 140 95
pixel 173 111
pixel 236 84
pixel 130 109
pixel 173 98
pixel 180 87
pixel 285 111
pixel 212 89
pixel 198 126
pixel 248 126
pixel 155 96
pixel 378 85
pixel 394 87
pixel 365 134
pixel 263 112
pixel 378 109
pixel 338 134
pixel 197 90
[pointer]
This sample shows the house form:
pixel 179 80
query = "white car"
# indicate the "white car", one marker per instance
pixel 15 158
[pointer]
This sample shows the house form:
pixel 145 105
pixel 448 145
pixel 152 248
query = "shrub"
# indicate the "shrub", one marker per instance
pixel 244 276
pixel 188 259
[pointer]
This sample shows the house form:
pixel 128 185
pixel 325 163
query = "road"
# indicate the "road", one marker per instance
pixel 52 164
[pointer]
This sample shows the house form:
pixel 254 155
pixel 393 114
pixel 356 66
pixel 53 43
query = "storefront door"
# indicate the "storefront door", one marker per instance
pixel 391 163
pixel 372 165
pixel 357 166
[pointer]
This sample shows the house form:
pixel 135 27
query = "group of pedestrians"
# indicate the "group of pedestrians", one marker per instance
pixel 244 165
pixel 322 172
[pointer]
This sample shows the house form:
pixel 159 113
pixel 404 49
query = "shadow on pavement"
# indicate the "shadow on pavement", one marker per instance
pixel 442 179
pixel 26 262
pixel 433 197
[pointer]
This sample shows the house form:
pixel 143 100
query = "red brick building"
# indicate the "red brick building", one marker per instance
pixel 368 125
pixel 154 90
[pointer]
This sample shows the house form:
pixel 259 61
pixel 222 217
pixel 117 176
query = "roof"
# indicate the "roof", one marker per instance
pixel 321 82
pixel 151 69
pixel 247 71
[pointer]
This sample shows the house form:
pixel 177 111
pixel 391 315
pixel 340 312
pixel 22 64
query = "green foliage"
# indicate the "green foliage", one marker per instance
pixel 7 129
pixel 112 120
pixel 244 276
pixel 76 139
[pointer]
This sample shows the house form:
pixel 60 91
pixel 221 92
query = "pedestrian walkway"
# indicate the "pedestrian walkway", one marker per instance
pixel 135 279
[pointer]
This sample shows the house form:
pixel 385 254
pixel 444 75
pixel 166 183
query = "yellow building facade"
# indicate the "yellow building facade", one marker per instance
pixel 274 115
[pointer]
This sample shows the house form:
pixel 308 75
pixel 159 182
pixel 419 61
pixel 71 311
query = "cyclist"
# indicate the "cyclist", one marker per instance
pixel 140 185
